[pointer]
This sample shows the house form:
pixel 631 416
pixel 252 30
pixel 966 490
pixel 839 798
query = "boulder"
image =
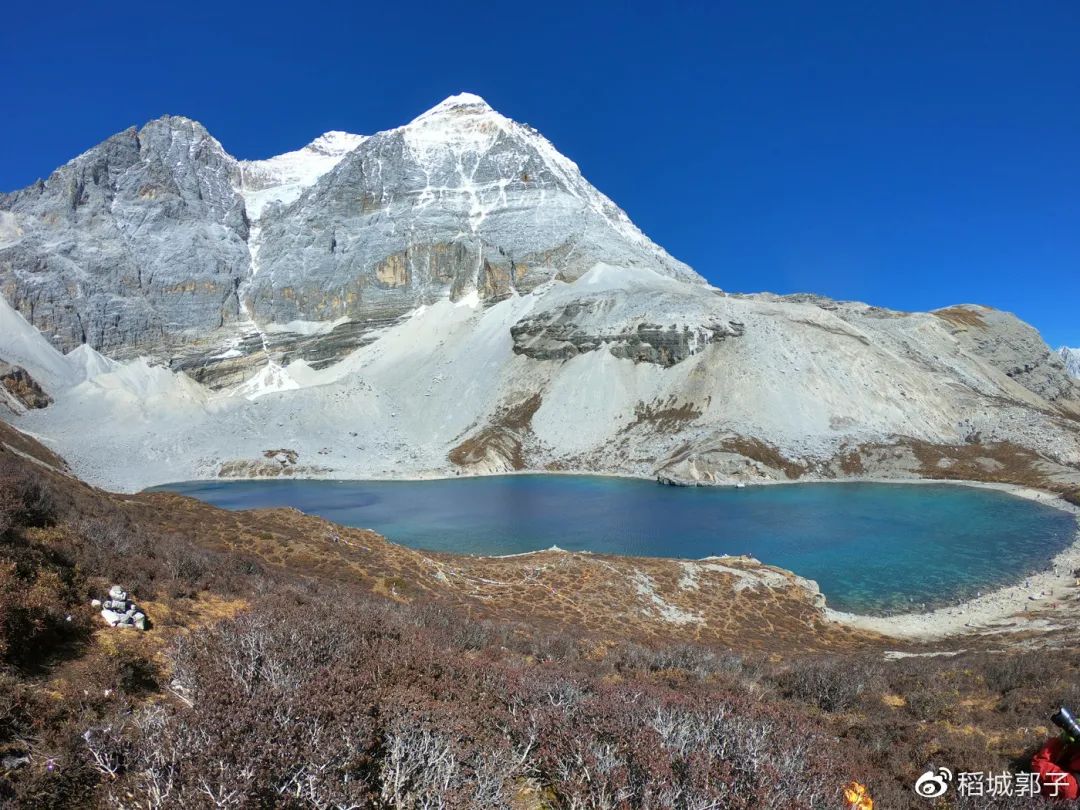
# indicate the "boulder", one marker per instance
pixel 11 763
pixel 111 616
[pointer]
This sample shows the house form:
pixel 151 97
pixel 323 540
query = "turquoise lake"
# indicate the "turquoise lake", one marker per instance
pixel 873 548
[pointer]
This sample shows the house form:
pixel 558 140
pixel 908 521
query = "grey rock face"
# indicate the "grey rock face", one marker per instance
pixel 1071 358
pixel 1014 348
pixel 135 245
pixel 158 242
pixel 461 200
pixel 560 335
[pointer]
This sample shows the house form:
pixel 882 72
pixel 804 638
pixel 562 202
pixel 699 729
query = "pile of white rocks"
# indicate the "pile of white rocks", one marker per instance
pixel 119 611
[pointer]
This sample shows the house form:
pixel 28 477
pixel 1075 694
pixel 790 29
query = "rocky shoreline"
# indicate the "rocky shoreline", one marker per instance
pixel 1007 609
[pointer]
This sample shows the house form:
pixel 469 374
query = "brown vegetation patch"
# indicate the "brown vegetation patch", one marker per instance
pixel 961 316
pixel 18 442
pixel 503 439
pixel 763 453
pixel 998 462
pixel 851 463
pixel 665 416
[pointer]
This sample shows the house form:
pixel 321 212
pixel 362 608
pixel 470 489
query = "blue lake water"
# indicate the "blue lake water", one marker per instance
pixel 873 548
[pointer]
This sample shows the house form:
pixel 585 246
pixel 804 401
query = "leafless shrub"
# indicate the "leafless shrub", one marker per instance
pixel 831 684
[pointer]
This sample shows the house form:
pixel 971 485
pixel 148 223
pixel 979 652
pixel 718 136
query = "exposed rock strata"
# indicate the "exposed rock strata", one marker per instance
pixel 134 246
pixel 21 391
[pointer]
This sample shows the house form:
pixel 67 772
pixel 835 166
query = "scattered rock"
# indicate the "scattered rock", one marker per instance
pixel 120 611
pixel 11 763
pixel 284 456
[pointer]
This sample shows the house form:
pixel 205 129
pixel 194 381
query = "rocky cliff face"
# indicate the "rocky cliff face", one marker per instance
pixel 158 242
pixel 137 245
pixel 1071 359
pixel 452 296
pixel 461 202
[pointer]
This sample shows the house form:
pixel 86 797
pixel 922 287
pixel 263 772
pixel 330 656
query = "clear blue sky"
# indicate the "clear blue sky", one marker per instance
pixel 909 154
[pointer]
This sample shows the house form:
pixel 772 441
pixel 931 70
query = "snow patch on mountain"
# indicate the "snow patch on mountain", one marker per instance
pixel 281 179
pixel 10 232
pixel 1072 360
pixel 463 127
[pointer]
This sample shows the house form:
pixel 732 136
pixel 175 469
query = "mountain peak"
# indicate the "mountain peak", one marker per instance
pixel 336 142
pixel 462 104
pixel 461 100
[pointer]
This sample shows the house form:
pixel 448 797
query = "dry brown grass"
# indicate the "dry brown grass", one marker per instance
pixel 997 462
pixel 961 316
pixel 503 438
pixel 764 453
pixel 663 416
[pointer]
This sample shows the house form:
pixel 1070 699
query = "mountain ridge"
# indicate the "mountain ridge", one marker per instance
pixel 452 297
pixel 104 218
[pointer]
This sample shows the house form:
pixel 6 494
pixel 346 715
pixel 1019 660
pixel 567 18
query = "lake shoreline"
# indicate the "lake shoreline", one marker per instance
pixel 999 609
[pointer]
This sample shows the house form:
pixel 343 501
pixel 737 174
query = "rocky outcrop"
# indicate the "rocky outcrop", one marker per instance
pixel 119 611
pixel 728 460
pixel 278 463
pixel 1018 352
pixel 501 445
pixel 135 246
pixel 560 336
pixel 21 390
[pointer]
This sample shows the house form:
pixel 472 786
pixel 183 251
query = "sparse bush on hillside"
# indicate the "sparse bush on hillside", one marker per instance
pixel 1005 672
pixel 320 695
pixel 831 684
pixel 369 706
pixel 24 499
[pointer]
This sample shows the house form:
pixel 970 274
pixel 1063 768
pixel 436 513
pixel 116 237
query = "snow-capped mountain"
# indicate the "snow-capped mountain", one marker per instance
pixel 453 296
pixel 137 245
pixel 175 249
pixel 1071 357
pixel 461 201
pixel 281 179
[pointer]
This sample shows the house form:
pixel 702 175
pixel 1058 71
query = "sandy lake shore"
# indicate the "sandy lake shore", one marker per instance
pixel 1001 610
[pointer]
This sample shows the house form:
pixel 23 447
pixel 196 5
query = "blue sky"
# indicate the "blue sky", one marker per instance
pixel 912 154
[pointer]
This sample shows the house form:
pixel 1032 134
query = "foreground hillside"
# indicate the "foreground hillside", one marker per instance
pixel 291 662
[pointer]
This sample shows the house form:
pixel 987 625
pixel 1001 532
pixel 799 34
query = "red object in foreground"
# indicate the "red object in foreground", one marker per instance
pixel 1056 763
